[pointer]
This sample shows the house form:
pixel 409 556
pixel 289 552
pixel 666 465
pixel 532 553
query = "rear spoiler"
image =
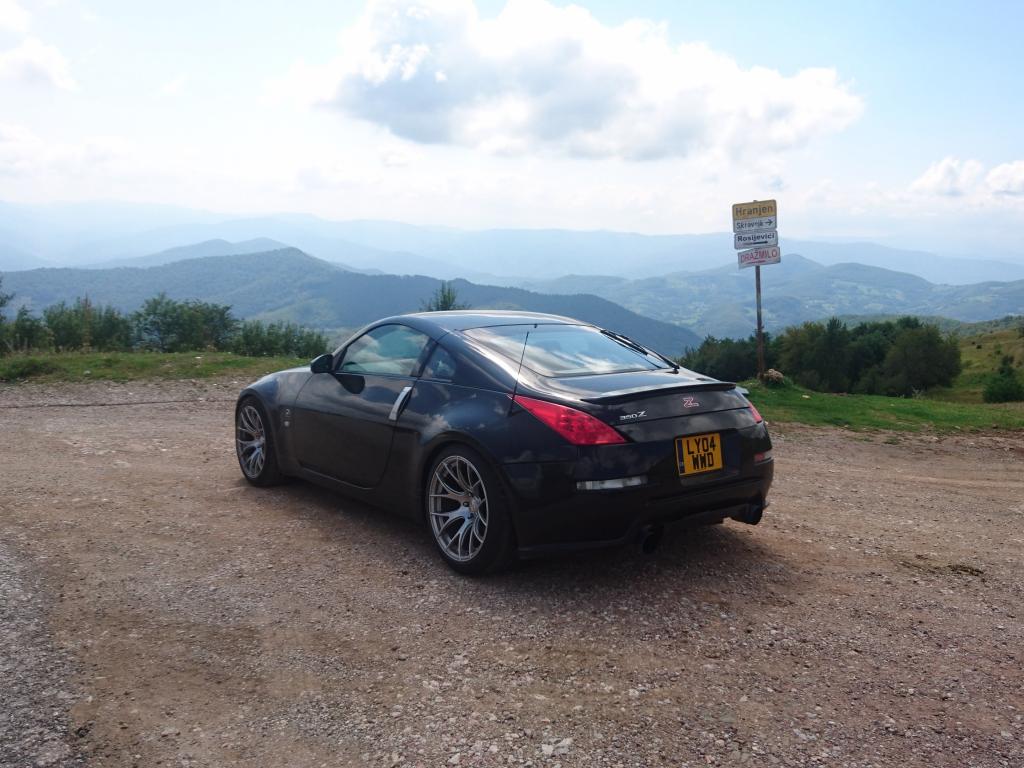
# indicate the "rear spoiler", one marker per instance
pixel 638 392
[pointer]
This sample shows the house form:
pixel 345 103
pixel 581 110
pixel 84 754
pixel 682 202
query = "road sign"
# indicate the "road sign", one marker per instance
pixel 743 240
pixel 754 228
pixel 755 257
pixel 755 225
pixel 754 210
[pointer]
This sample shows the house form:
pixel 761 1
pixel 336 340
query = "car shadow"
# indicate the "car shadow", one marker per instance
pixel 709 561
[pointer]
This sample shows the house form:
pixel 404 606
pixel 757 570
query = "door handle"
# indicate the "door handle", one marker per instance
pixel 399 402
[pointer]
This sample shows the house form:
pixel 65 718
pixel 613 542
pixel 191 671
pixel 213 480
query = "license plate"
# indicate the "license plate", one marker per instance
pixel 699 453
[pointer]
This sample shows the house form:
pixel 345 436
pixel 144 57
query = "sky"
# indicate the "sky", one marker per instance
pixel 899 123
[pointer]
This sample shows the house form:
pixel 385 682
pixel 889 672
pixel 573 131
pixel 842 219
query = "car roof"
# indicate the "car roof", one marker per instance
pixel 460 320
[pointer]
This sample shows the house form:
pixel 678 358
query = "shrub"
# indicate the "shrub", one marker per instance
pixel 726 359
pixel 1005 385
pixel 166 325
pixel 28 332
pixel 25 368
pixel 257 339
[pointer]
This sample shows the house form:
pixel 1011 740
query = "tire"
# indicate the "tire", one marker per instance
pixel 254 444
pixel 472 530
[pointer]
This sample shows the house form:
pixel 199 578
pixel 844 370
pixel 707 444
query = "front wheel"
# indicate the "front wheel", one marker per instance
pixel 467 512
pixel 254 445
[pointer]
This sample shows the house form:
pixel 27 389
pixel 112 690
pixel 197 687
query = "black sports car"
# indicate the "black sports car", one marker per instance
pixel 510 433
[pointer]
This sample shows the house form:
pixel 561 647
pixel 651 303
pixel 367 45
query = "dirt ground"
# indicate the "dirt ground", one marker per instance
pixel 158 611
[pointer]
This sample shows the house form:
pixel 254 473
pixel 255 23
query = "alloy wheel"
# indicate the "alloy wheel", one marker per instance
pixel 251 441
pixel 457 505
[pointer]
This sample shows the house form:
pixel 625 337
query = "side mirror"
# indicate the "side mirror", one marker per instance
pixel 322 364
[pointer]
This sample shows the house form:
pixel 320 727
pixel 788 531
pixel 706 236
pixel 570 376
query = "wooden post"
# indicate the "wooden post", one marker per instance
pixel 760 325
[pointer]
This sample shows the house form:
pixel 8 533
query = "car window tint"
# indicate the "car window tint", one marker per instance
pixel 564 350
pixel 391 349
pixel 441 365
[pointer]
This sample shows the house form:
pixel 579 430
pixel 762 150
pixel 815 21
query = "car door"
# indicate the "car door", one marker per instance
pixel 344 420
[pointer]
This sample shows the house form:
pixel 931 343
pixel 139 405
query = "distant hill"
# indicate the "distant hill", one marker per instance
pixel 74 234
pixel 721 301
pixel 12 258
pixel 216 247
pixel 289 284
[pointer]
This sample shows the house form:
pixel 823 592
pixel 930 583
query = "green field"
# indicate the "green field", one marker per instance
pixel 128 366
pixel 867 412
pixel 980 355
pixel 959 408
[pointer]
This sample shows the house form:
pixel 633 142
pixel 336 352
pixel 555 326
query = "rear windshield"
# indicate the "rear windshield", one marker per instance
pixel 564 350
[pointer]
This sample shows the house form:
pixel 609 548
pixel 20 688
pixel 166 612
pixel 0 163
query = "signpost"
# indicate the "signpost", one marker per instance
pixel 754 227
pixel 755 257
pixel 755 239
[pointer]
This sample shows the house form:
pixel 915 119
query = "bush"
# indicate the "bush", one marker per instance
pixel 5 341
pixel 257 339
pixel 84 326
pixel 919 359
pixel 1005 385
pixel 25 368
pixel 28 332
pixel 726 359
pixel 166 325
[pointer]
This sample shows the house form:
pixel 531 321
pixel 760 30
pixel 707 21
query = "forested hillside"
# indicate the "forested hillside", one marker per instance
pixel 288 284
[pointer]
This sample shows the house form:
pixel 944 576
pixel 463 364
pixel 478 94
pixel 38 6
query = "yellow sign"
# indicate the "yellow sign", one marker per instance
pixel 754 210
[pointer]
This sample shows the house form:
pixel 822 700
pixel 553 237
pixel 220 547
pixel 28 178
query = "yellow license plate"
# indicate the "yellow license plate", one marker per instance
pixel 699 453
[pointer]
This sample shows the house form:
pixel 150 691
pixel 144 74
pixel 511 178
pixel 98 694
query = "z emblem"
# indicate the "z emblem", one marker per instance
pixel 689 402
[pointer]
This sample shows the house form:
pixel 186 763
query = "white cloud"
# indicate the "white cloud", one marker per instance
pixel 543 77
pixel 18 147
pixel 13 17
pixel 1007 179
pixel 35 62
pixel 175 86
pixel 950 177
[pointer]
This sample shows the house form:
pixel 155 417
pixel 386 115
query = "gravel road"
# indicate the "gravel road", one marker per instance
pixel 158 611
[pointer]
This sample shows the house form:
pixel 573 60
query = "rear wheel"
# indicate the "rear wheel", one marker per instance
pixel 254 445
pixel 467 512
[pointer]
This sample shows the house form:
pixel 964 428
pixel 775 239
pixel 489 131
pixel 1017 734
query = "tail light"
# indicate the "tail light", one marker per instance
pixel 758 418
pixel 577 427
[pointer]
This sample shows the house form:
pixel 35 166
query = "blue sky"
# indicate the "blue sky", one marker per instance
pixel 896 122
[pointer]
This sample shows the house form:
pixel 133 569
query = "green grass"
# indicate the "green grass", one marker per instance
pixel 875 412
pixel 980 355
pixel 786 404
pixel 129 366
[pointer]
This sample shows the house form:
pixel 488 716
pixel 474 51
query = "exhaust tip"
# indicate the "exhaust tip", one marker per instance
pixel 650 538
pixel 751 514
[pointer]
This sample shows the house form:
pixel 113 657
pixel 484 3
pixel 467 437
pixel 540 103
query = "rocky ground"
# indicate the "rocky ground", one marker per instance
pixel 157 611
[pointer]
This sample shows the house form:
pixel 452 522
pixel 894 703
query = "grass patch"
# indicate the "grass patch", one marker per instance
pixel 130 366
pixel 875 412
pixel 980 355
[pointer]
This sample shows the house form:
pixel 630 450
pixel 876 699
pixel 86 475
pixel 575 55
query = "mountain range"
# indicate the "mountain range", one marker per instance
pixel 720 301
pixel 672 311
pixel 287 284
pixel 99 234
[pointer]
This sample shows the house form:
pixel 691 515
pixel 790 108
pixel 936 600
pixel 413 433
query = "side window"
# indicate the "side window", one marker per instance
pixel 440 366
pixel 390 349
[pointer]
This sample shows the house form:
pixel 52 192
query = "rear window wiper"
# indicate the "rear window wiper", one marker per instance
pixel 636 347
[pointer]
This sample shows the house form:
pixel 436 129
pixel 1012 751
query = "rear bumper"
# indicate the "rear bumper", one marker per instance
pixel 550 515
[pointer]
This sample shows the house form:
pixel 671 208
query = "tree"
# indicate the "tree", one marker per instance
pixel 1005 385
pixel 166 325
pixel 257 339
pixel 66 324
pixel 5 299
pixel 445 298
pixel 920 358
pixel 29 333
pixel 727 359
